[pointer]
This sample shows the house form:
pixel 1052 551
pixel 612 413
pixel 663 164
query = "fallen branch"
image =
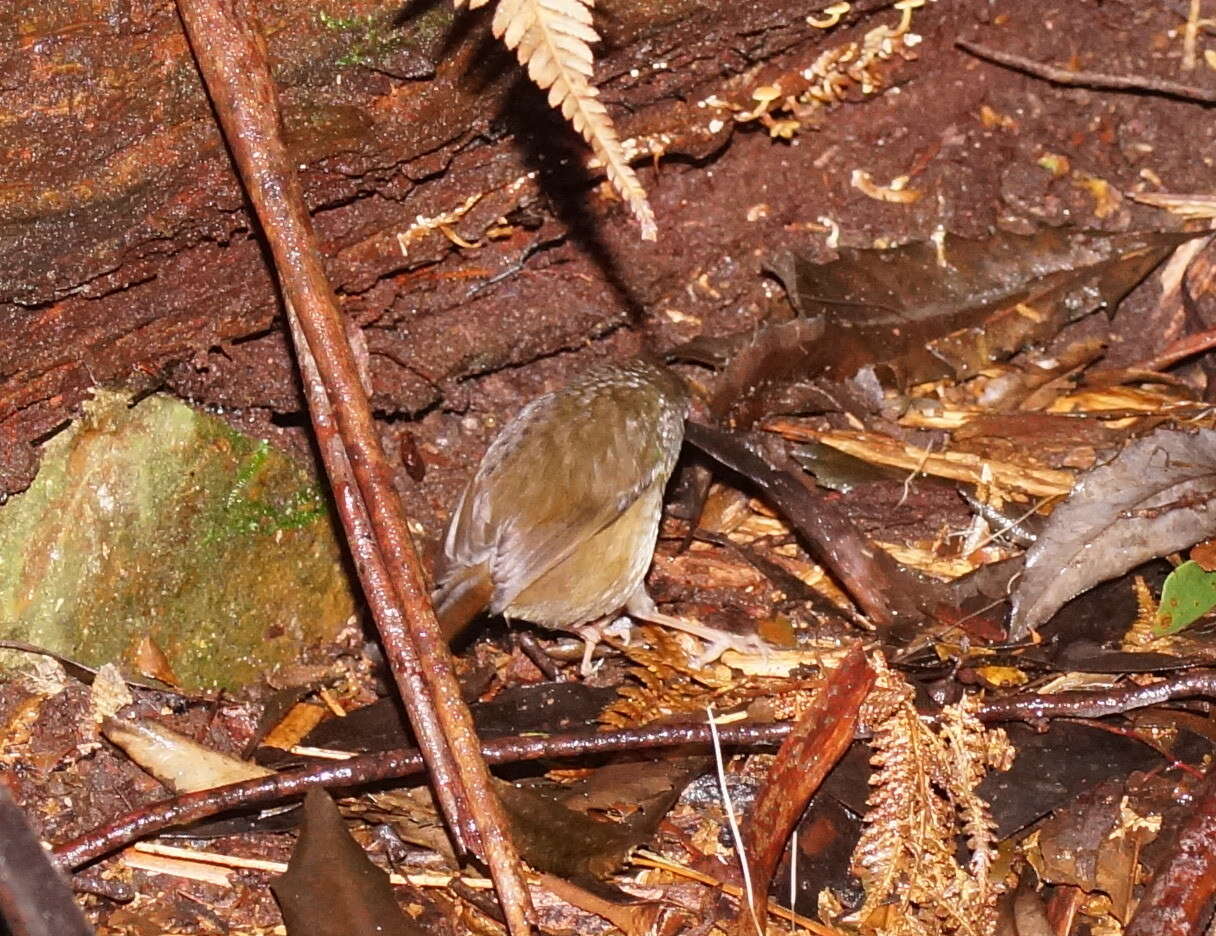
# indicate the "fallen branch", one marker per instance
pixel 374 768
pixel 231 55
pixel 1037 709
pixel 396 764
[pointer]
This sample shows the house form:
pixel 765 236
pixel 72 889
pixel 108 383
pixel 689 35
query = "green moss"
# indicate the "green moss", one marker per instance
pixel 158 521
pixel 343 24
pixel 245 512
pixel 372 36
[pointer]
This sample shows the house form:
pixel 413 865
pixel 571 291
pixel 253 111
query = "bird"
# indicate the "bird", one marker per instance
pixel 558 524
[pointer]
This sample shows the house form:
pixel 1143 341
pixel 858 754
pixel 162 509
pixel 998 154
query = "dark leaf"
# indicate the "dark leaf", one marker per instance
pixel 1086 635
pixel 553 835
pixel 1078 847
pixel 1053 767
pixel 840 471
pixel 710 350
pixel 926 312
pixel 825 840
pixel 1152 499
pixel 331 887
pixel 628 915
pixel 35 900
pixel 773 355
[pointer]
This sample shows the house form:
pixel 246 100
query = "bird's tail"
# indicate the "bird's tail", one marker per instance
pixel 461 598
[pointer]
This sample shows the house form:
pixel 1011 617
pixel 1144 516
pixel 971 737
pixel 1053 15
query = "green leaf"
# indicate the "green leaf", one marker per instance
pixel 1188 594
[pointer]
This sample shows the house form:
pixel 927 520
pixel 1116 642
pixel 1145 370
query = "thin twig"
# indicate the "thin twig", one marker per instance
pixel 1065 76
pixel 373 768
pixel 728 807
pixel 231 55
pixel 1179 350
pixel 393 765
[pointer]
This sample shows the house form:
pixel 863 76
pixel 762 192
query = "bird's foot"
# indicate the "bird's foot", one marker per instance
pixel 716 641
pixel 592 634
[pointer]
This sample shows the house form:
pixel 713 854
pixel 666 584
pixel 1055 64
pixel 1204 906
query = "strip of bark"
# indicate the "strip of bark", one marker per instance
pixel 1178 901
pixel 231 54
pixel 807 756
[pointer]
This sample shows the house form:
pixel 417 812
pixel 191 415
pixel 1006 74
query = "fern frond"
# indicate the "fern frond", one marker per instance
pixel 552 39
pixel 924 796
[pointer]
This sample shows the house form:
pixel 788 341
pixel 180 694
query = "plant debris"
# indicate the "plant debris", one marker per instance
pixel 927 444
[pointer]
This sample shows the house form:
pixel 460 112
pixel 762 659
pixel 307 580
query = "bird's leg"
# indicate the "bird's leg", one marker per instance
pixel 592 634
pixel 641 606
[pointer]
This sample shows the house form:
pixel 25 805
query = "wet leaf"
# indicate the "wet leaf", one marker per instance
pixel 156 522
pixel 331 887
pixel 627 915
pixel 1153 498
pixel 180 763
pixel 1048 773
pixel 1094 844
pixel 924 312
pixel 553 835
pixel 1188 594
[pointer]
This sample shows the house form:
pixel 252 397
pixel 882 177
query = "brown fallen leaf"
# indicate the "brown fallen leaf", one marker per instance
pixel 331 887
pixel 151 661
pixel 1153 498
pixel 932 309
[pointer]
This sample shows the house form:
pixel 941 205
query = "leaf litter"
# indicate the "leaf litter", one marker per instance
pixel 947 362
pixel 1140 500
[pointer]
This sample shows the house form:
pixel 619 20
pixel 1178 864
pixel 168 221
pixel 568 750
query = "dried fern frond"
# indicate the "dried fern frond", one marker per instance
pixel 924 800
pixel 552 39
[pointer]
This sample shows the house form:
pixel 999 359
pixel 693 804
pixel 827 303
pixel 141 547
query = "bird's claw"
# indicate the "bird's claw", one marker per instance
pixel 721 641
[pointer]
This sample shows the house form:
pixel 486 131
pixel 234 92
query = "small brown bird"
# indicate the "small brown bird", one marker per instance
pixel 559 524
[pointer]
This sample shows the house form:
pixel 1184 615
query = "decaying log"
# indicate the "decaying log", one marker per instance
pixel 126 253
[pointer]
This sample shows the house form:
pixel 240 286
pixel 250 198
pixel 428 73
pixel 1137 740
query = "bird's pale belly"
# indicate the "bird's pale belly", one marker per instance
pixel 607 569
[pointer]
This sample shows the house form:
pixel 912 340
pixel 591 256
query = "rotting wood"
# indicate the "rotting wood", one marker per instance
pixel 128 257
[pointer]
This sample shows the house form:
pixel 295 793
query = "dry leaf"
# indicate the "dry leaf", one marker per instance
pixel 1152 499
pixel 150 661
pixel 180 763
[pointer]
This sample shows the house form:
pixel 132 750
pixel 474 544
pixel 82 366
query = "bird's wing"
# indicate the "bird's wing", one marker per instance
pixel 560 495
